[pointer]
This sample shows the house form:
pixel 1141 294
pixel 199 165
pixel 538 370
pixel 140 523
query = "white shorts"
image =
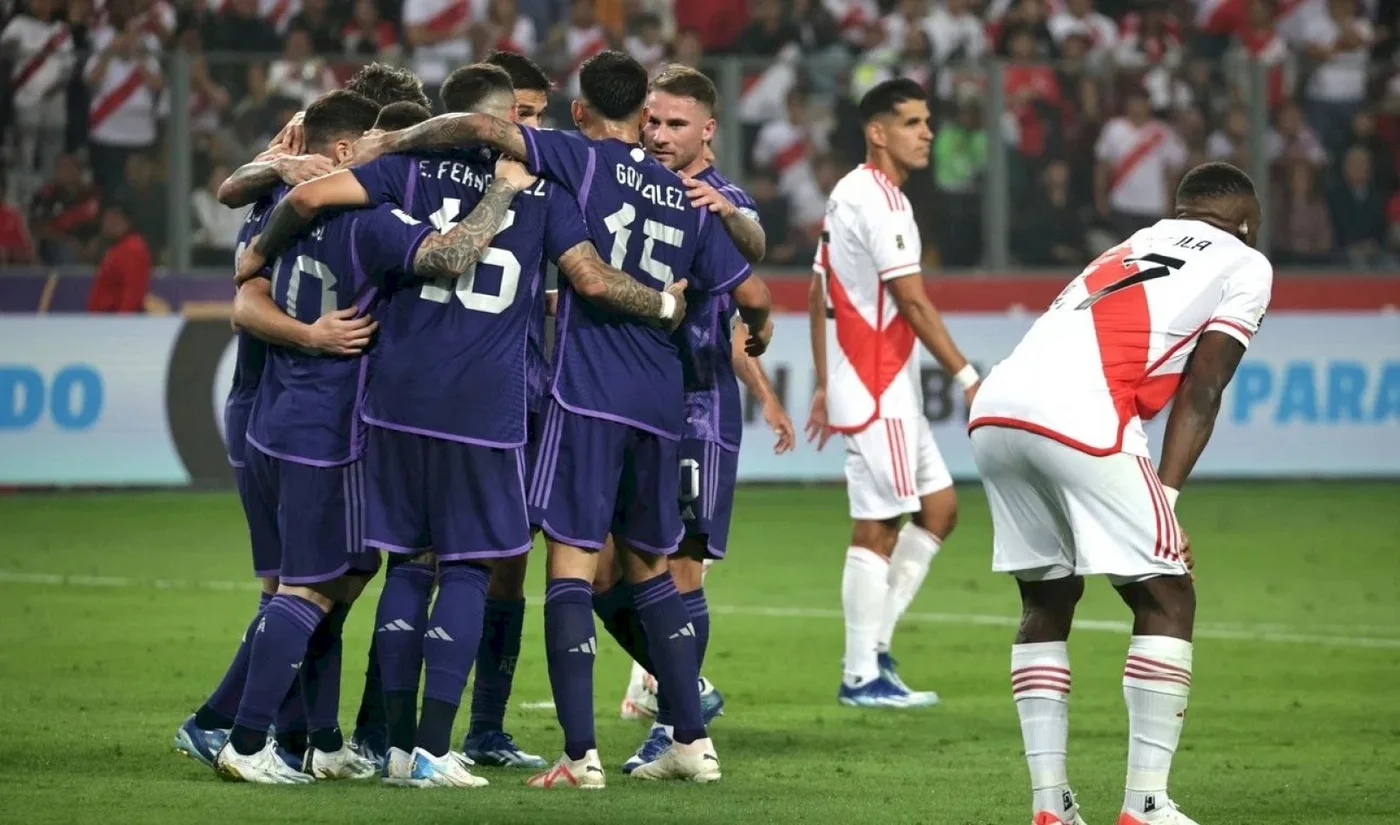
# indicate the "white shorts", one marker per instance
pixel 890 465
pixel 1059 512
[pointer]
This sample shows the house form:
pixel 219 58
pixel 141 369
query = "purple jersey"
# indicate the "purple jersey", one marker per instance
pixel 452 357
pixel 251 352
pixel 713 407
pixel 307 405
pixel 640 219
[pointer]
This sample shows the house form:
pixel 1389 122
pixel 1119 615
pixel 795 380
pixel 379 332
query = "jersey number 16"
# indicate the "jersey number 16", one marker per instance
pixel 440 290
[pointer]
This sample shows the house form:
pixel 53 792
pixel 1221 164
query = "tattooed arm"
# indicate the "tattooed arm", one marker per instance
pixel 253 180
pixel 296 212
pixel 443 132
pixel 450 255
pixel 615 290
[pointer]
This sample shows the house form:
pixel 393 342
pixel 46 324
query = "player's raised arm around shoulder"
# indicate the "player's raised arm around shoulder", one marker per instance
pixel 450 254
pixel 295 212
pixel 740 219
pixel 1211 366
pixel 718 268
pixel 336 333
pixel 444 132
pixel 258 178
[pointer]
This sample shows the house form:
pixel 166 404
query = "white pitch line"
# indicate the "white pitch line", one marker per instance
pixel 1363 636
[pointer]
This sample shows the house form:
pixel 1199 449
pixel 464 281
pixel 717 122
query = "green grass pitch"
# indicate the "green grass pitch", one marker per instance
pixel 113 626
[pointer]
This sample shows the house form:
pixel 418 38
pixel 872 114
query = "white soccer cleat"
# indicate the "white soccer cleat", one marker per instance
pixel 398 768
pixel 586 774
pixel 639 702
pixel 446 771
pixel 1167 814
pixel 1048 818
pixel 696 762
pixel 262 768
pixel 345 763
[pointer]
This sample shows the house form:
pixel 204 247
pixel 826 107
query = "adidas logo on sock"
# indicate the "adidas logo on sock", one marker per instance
pixel 395 626
pixel 439 634
pixel 688 514
pixel 507 664
pixel 262 623
pixel 1149 804
pixel 687 630
pixel 590 647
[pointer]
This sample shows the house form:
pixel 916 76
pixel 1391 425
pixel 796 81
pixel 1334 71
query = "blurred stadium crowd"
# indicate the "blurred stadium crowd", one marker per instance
pixel 1105 103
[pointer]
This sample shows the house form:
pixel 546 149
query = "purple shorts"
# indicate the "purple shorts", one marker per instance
pixel 462 501
pixel 260 511
pixel 592 477
pixel 708 475
pixel 316 514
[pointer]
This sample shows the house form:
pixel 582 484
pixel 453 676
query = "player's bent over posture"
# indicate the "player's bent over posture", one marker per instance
pixel 869 259
pixel 1057 434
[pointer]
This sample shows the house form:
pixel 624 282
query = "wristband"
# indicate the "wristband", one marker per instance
pixel 668 306
pixel 967 376
pixel 1171 493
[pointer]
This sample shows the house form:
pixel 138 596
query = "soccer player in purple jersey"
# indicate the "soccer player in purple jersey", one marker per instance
pixel 306 435
pixel 680 123
pixel 334 333
pixel 462 423
pixel 609 451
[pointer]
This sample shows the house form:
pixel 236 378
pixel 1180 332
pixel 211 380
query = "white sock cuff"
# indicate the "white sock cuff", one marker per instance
pixel 865 557
pixel 1040 670
pixel 917 542
pixel 1159 664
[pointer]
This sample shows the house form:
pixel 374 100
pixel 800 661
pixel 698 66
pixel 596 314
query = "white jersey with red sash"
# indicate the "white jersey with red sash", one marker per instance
pixel 434 62
pixel 123 106
pixel 43 57
pixel 1140 157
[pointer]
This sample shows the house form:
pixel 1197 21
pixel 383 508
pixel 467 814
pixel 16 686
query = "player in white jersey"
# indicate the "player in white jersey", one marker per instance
pixel 1057 433
pixel 868 264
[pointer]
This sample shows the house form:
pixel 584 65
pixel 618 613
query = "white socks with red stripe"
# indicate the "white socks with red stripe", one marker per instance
pixel 1156 682
pixel 1040 685
pixel 913 553
pixel 864 591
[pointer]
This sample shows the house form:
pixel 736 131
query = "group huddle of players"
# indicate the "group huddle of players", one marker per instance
pixel 455 438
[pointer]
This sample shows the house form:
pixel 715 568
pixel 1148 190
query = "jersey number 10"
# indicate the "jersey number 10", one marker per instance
pixel 440 290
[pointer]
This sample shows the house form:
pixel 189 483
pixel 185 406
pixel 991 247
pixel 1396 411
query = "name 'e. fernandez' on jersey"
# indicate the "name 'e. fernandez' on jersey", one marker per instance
pixel 307 408
pixel 452 360
pixel 251 352
pixel 639 217
pixel 713 406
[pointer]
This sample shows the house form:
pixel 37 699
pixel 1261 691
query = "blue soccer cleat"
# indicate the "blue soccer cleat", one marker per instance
pixel 497 749
pixel 656 743
pixel 199 744
pixel 879 693
pixel 887 670
pixel 446 771
pixel 711 701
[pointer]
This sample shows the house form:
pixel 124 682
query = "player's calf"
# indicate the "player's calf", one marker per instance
pixel 1156 686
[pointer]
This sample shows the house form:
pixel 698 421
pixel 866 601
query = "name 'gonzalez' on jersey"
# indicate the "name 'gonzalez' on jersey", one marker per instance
pixel 307 410
pixel 713 406
pixel 1110 352
pixel 638 216
pixel 451 360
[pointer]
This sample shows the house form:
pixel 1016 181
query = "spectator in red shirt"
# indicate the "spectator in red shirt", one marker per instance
pixel 125 272
pixel 15 244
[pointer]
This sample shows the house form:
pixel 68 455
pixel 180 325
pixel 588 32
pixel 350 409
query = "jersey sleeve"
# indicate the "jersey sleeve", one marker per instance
pixel 384 241
pixel 892 239
pixel 557 155
pixel 564 226
pixel 719 267
pixel 1244 300
pixel 387 179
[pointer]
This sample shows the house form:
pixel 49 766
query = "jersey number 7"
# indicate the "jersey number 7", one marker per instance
pixel 1164 266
